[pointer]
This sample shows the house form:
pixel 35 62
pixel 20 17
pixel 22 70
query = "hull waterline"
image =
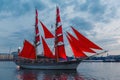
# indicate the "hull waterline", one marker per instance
pixel 59 65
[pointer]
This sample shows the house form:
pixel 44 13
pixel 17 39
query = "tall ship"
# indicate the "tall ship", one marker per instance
pixel 57 58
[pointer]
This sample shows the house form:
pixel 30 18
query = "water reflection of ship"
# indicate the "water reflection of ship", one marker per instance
pixel 48 75
pixel 62 75
pixel 26 75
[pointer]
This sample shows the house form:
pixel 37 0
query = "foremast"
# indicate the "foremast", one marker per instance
pixel 37 35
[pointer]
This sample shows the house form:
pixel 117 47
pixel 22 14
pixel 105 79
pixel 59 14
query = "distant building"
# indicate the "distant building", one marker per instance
pixel 5 56
pixel 109 58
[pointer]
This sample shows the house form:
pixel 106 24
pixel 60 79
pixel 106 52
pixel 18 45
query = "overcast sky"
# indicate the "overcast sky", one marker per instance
pixel 98 20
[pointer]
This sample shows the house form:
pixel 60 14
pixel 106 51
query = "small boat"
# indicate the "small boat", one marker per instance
pixel 56 59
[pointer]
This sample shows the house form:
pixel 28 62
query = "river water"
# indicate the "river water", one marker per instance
pixel 85 71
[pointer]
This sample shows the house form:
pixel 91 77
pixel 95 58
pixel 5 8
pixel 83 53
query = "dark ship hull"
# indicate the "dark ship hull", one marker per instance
pixel 49 65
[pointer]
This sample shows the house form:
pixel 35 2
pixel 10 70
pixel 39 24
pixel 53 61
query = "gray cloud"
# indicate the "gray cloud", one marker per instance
pixel 81 24
pixel 16 8
pixel 94 18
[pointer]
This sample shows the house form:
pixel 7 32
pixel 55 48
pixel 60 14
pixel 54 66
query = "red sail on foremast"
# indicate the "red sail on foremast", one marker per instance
pixel 85 41
pixel 80 44
pixel 47 33
pixel 76 50
pixel 28 51
pixel 46 50
pixel 59 43
pixel 37 36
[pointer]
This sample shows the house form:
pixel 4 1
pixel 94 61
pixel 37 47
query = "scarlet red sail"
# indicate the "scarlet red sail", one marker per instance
pixel 80 44
pixel 59 43
pixel 28 51
pixel 85 41
pixel 47 33
pixel 46 50
pixel 78 53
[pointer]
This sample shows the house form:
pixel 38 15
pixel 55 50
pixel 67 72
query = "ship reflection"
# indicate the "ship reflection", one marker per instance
pixel 48 75
pixel 27 75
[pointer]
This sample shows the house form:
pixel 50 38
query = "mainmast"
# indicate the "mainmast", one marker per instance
pixel 59 43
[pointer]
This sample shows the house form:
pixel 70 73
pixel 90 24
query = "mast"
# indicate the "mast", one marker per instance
pixel 37 35
pixel 59 43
